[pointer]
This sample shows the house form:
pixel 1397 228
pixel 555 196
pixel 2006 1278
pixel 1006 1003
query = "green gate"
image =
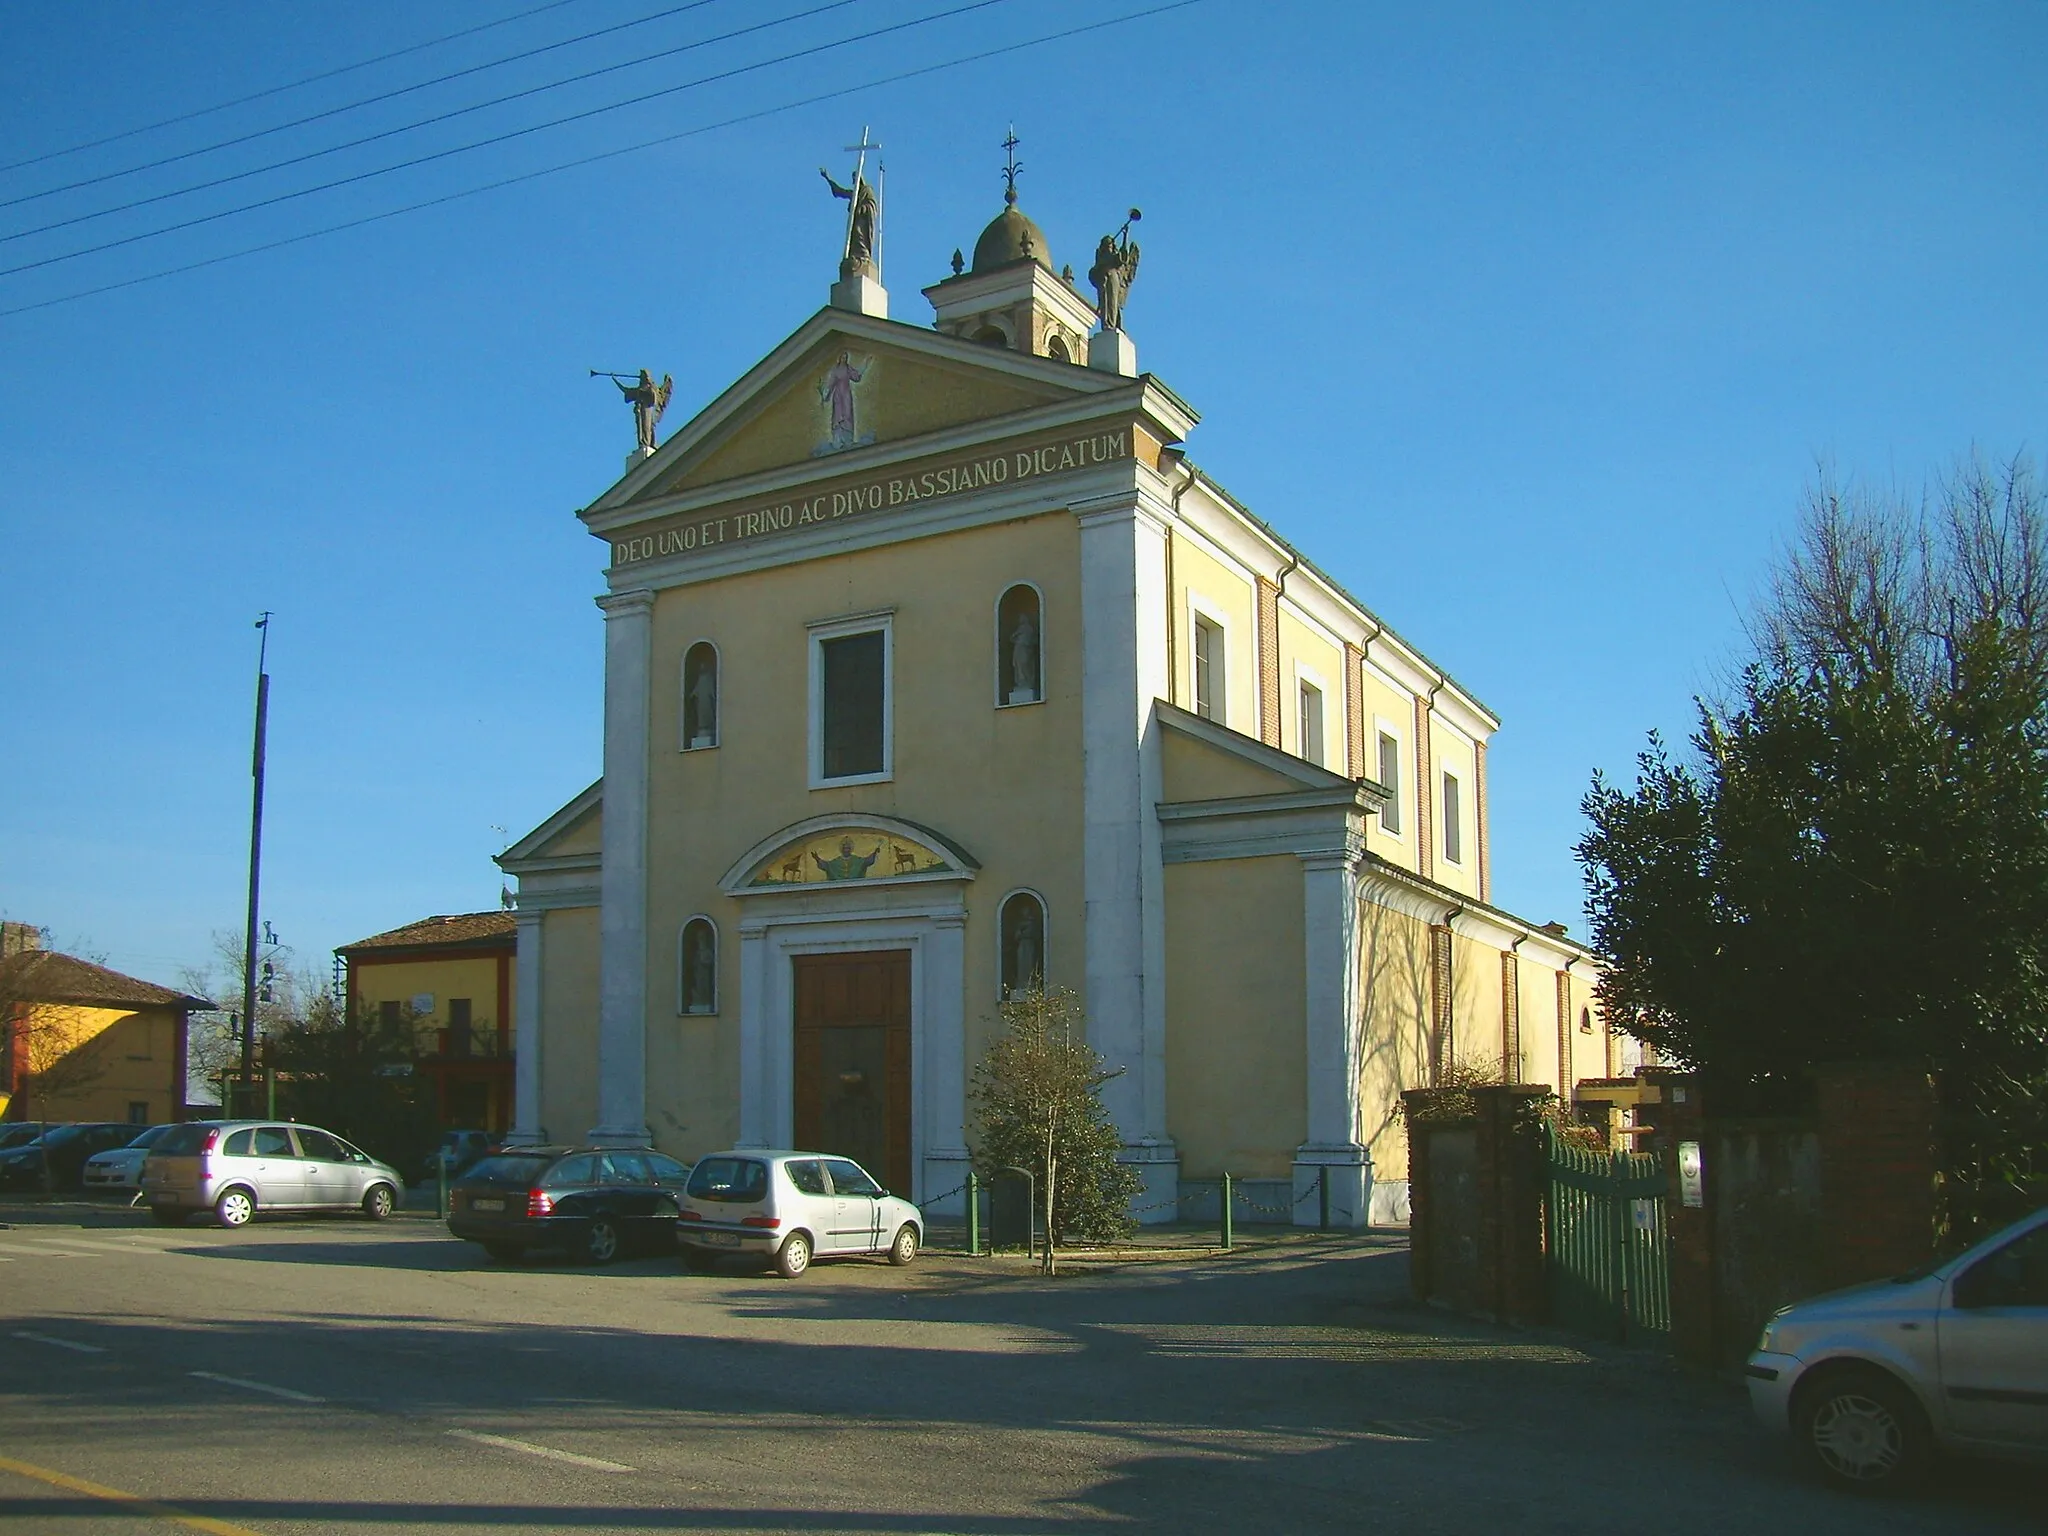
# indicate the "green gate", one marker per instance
pixel 1608 1254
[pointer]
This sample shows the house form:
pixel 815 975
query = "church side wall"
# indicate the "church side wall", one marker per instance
pixel 568 1012
pixel 1004 783
pixel 1302 645
pixel 1388 708
pixel 1394 996
pixel 1476 1009
pixel 1228 594
pixel 1236 1001
pixel 1452 753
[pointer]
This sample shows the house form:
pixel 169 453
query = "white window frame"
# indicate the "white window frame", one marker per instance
pixel 884 620
pixel 1308 675
pixel 996 625
pixel 1044 932
pixel 683 695
pixel 683 1010
pixel 1382 726
pixel 1200 611
pixel 1451 824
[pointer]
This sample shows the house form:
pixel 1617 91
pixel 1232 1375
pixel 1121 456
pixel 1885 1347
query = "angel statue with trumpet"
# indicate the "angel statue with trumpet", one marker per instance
pixel 1115 269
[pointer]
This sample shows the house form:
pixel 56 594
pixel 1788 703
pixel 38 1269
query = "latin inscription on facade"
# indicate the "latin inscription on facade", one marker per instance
pixel 930 480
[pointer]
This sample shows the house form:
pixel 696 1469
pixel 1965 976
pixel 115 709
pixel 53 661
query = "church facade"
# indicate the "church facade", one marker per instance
pixel 935 668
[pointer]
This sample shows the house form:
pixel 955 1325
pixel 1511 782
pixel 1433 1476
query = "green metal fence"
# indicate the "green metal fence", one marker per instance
pixel 1608 1254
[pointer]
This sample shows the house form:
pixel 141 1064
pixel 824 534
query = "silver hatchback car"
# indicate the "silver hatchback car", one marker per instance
pixel 791 1207
pixel 234 1168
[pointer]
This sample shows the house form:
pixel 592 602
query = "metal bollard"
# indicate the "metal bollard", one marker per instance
pixel 1229 1199
pixel 441 1173
pixel 1323 1198
pixel 973 1215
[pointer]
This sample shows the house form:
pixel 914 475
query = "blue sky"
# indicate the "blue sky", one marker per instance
pixel 1527 323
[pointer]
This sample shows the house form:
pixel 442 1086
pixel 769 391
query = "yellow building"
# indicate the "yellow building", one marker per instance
pixel 934 666
pixel 81 1042
pixel 452 979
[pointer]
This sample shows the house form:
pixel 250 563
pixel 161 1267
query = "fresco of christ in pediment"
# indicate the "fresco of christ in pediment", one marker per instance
pixel 839 394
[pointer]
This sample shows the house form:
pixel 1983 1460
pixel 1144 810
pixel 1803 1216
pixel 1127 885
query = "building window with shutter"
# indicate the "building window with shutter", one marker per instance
pixel 1309 727
pixel 850 702
pixel 1454 821
pixel 1390 777
pixel 1208 669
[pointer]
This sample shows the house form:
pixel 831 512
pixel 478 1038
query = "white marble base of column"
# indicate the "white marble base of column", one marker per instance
pixel 621 1136
pixel 1348 1171
pixel 1113 352
pixel 942 1194
pixel 1157 1165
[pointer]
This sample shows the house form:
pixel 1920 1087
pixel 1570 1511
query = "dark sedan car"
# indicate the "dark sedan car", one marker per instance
pixel 64 1148
pixel 591 1201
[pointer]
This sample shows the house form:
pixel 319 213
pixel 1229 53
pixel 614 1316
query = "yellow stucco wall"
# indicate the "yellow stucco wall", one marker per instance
pixel 586 835
pixel 1304 645
pixel 568 1076
pixel 1394 1031
pixel 1003 783
pixel 1453 754
pixel 1194 770
pixel 99 1062
pixel 1229 595
pixel 1236 1043
pixel 1389 707
pixel 473 977
pixel 899 395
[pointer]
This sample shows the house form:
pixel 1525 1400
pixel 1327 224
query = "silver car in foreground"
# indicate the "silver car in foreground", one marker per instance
pixel 1872 1381
pixel 791 1207
pixel 235 1168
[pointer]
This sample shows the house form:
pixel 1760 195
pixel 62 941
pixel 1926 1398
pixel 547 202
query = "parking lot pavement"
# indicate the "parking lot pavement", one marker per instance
pixel 339 1376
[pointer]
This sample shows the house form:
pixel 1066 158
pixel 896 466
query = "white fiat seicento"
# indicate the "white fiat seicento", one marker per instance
pixel 791 1207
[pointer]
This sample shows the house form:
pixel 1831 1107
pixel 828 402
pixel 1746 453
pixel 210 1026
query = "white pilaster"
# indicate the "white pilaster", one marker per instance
pixel 526 1126
pixel 1334 1155
pixel 622 916
pixel 1123 625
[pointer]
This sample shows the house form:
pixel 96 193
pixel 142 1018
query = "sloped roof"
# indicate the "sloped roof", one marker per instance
pixel 45 976
pixel 473 930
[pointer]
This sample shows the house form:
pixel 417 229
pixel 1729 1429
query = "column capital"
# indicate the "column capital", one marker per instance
pixel 631 603
pixel 1344 860
pixel 1134 505
pixel 528 917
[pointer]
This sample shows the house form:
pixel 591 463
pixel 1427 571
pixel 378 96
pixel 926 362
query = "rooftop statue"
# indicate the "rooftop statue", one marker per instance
pixel 1115 269
pixel 647 398
pixel 863 215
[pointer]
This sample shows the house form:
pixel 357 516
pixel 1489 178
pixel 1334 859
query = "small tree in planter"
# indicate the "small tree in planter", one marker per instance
pixel 1038 1105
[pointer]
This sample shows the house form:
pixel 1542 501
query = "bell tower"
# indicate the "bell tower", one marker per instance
pixel 1010 295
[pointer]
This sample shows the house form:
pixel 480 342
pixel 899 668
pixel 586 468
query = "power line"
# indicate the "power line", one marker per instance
pixel 515 133
pixel 609 154
pixel 367 101
pixel 279 90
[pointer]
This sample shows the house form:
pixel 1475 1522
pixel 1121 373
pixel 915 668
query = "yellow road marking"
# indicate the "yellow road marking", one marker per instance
pixel 134 1502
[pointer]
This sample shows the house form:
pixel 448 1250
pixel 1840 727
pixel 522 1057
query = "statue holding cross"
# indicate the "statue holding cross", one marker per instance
pixel 862 251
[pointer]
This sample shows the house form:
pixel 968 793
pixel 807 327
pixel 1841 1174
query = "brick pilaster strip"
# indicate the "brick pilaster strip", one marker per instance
pixel 1567 1074
pixel 1354 715
pixel 1510 1017
pixel 1269 663
pixel 1425 793
pixel 1442 1041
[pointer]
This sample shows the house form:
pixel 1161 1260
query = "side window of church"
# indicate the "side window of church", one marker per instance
pixel 1209 670
pixel 1020 650
pixel 1310 734
pixel 851 722
pixel 1390 776
pixel 1454 839
pixel 700 696
pixel 1023 939
pixel 697 967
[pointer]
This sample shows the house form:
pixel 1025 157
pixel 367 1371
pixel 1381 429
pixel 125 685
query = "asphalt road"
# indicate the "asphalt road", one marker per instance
pixel 343 1377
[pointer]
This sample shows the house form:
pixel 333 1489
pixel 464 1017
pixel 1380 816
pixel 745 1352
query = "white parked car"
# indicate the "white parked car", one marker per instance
pixel 122 1167
pixel 791 1207
pixel 1871 1382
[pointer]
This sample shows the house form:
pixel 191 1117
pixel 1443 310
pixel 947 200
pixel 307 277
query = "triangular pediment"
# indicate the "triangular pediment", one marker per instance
pixel 843 383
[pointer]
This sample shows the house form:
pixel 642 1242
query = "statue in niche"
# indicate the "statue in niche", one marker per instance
pixel 849 865
pixel 703 701
pixel 1024 659
pixel 1115 269
pixel 699 962
pixel 1026 970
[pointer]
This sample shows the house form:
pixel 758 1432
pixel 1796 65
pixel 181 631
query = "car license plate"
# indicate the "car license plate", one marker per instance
pixel 720 1239
pixel 487 1205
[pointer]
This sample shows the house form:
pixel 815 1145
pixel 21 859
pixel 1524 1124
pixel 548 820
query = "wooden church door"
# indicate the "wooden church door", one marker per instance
pixel 853 1060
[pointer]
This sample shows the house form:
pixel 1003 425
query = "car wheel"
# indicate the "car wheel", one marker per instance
pixel 378 1203
pixel 904 1249
pixel 234 1208
pixel 601 1241
pixel 1863 1431
pixel 794 1256
pixel 504 1253
pixel 167 1215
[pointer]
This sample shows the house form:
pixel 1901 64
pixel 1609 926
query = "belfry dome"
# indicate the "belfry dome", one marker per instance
pixel 1011 236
